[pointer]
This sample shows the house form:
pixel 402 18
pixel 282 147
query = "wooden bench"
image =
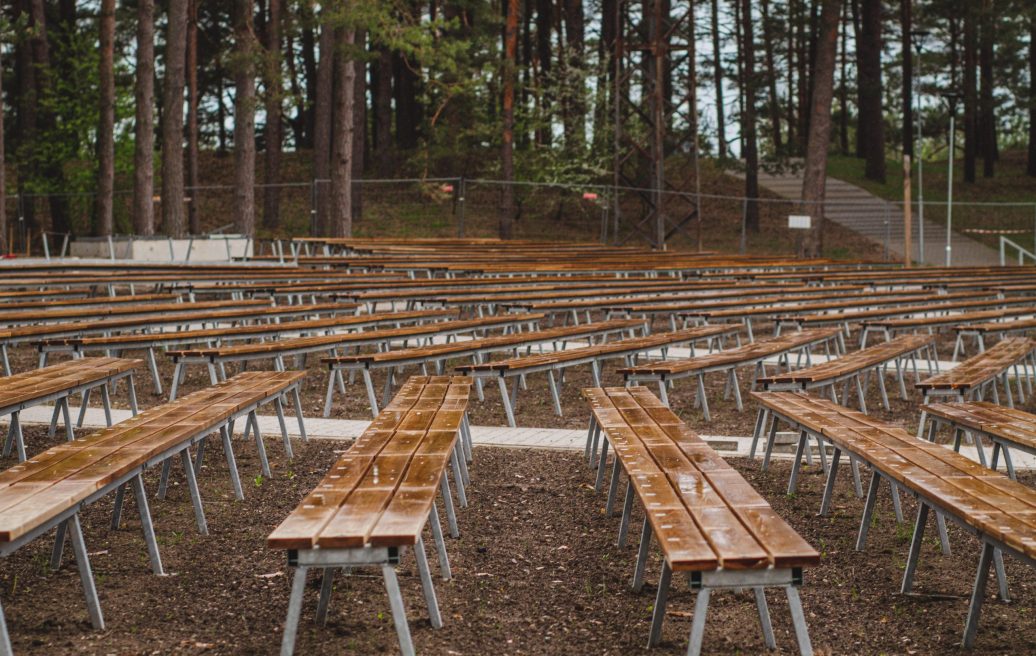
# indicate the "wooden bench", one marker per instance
pixel 48 490
pixel 559 361
pixel 55 384
pixel 476 349
pixel 981 331
pixel 376 500
pixel 970 379
pixel 984 502
pixel 931 323
pixel 708 521
pixel 1005 428
pixel 754 354
pixel 215 358
pixel 215 337
pixel 25 334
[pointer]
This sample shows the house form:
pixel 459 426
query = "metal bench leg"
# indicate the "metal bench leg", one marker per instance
pixel 794 478
pixel 15 439
pixel 279 407
pixel 106 403
pixel 440 544
pixel 66 416
pixel 93 604
pixel 458 480
pixel 465 432
pixel 832 472
pixel 5 638
pixel 146 527
pixel 764 617
pixel 589 436
pixel 462 462
pixel 7 362
pixel 163 480
pixel 701 610
pixel 297 401
pixel 737 390
pixel 406 646
pixel 944 538
pixel 153 366
pixel 228 450
pixel 760 421
pixel 978 594
pixel 554 392
pixel 199 454
pixel 175 385
pixel 868 510
pixel 508 408
pixel 59 546
pixel 1001 575
pixel 915 548
pixel 427 585
pixel 447 501
pixel 642 555
pixel 53 429
pixel 897 506
pixel 259 444
pixel 770 439
pixel 120 497
pixel 702 398
pixel 627 509
pixel 192 485
pixel 661 597
pixel 601 465
pixel 327 581
pixel 291 624
pixel 612 487
pixel 798 620
pixel 329 396
pixel 372 397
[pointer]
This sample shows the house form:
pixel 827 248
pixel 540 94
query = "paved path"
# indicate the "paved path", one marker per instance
pixel 880 221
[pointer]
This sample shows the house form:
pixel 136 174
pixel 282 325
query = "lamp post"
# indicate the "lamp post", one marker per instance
pixel 918 37
pixel 951 98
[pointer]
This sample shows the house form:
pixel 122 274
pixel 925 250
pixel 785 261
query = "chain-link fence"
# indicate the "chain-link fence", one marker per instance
pixel 862 226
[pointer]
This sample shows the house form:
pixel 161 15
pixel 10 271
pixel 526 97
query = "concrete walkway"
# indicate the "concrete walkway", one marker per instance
pixel 882 222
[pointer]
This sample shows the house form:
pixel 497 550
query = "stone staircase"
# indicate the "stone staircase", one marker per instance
pixel 882 222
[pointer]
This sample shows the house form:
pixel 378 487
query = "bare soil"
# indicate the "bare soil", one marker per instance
pixel 536 571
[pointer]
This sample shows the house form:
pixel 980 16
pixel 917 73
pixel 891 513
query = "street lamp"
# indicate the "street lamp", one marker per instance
pixel 951 98
pixel 918 37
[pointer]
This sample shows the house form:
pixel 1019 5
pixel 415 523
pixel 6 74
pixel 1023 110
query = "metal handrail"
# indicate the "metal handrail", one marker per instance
pixel 1022 252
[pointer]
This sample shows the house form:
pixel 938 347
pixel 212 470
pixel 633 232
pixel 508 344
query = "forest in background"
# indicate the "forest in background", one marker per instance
pixel 104 98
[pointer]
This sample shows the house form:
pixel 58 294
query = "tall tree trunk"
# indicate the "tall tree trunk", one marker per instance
pixel 861 126
pixel 244 119
pixel 803 63
pixel 740 77
pixel 104 201
pixel 871 100
pixel 575 93
pixel 793 144
pixel 970 92
pixel 987 121
pixel 544 23
pixel 359 124
pixel 408 108
pixel 843 89
pixel 172 120
pixel 193 92
pixel 1031 164
pixel 272 132
pixel 383 111
pixel 309 67
pixel 771 78
pixel 322 124
pixel 751 153
pixel 717 75
pixel 507 143
pixel 905 25
pixel 144 127
pixel 343 124
pixel 3 178
pixel 27 123
pixel 815 175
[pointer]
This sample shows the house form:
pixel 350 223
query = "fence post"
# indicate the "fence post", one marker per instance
pixel 460 207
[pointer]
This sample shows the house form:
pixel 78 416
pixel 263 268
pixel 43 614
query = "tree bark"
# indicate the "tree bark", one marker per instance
pixel 103 206
pixel 815 175
pixel 751 153
pixel 871 99
pixel 244 120
pixel 193 215
pixel 272 132
pixel 359 160
pixel 408 108
pixel 544 61
pixel 1031 164
pixel 172 120
pixel 343 124
pixel 771 78
pixel 309 66
pixel 3 178
pixel 793 144
pixel 322 124
pixel 144 127
pixel 843 91
pixel 970 93
pixel 507 142
pixel 717 75
pixel 383 111
pixel 27 123
pixel 575 93
pixel 905 25
pixel 987 116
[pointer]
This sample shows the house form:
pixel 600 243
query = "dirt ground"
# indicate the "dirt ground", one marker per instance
pixel 535 571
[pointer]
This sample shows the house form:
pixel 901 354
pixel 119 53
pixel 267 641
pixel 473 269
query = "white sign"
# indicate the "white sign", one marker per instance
pixel 799 222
